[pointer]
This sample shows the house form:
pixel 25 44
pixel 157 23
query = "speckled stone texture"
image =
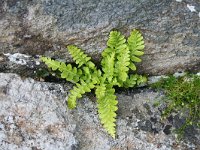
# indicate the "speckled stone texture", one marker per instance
pixel 44 27
pixel 34 116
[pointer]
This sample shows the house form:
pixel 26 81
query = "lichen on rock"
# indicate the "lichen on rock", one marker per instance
pixel 34 115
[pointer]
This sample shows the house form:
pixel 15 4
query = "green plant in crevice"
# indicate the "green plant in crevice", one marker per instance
pixel 118 59
pixel 182 97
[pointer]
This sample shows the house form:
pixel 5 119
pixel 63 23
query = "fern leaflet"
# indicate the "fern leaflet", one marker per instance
pixel 79 57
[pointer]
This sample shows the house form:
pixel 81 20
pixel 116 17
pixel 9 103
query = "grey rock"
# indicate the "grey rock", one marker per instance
pixel 167 129
pixel 30 118
pixel 45 27
pixel 145 125
pixel 34 115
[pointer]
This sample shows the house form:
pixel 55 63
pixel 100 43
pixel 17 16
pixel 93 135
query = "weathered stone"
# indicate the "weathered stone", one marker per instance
pixel 167 129
pixel 33 115
pixel 44 27
pixel 145 125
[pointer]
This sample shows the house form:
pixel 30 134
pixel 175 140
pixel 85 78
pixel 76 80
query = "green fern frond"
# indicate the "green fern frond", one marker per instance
pixel 131 81
pixel 53 64
pixel 136 43
pixel 134 80
pixel 100 91
pixel 108 69
pixel 78 91
pixel 122 63
pixel 136 46
pixel 114 43
pixel 141 80
pixel 68 72
pixel 118 53
pixel 115 39
pixel 135 59
pixel 79 57
pixel 132 66
pixel 89 75
pixel 107 107
pixel 97 76
pixel 119 56
pixel 106 52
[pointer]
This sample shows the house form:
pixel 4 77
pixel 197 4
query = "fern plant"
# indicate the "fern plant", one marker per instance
pixel 118 59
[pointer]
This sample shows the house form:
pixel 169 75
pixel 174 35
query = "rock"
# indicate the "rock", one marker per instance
pixel 34 115
pixel 44 27
pixel 31 119
pixel 21 64
pixel 167 129
pixel 145 125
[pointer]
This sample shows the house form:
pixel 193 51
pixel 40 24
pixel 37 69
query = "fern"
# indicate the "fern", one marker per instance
pixel 123 61
pixel 108 69
pixel 136 46
pixel 79 57
pixel 134 80
pixel 68 72
pixel 107 107
pixel 116 44
pixel 78 91
pixel 117 59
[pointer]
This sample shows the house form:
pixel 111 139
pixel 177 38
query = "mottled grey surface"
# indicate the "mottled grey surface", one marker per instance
pixel 33 116
pixel 171 30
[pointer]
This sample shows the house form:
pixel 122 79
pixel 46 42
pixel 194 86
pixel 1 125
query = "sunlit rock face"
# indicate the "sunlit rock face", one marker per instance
pixel 44 27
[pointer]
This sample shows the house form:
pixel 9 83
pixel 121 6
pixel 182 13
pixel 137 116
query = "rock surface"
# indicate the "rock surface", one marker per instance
pixel 44 27
pixel 33 115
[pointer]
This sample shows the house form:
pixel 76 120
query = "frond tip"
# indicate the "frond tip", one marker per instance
pixel 80 57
